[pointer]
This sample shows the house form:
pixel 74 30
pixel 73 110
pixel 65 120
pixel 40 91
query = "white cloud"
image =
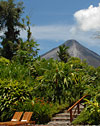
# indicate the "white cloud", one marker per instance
pixel 51 32
pixel 88 19
pixel 58 33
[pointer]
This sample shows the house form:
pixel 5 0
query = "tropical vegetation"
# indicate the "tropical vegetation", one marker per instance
pixel 45 87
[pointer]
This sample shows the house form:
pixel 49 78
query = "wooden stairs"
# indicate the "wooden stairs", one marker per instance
pixel 65 118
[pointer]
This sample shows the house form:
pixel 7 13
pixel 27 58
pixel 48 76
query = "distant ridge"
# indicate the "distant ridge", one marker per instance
pixel 76 50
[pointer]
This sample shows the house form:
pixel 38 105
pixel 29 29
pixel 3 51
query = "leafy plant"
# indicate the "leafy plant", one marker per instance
pixel 91 114
pixel 63 53
pixel 11 92
pixel 4 61
pixel 42 110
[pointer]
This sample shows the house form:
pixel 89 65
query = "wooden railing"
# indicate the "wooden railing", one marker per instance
pixel 77 108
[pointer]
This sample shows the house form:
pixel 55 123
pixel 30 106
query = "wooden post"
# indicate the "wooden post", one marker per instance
pixel 71 118
pixel 78 106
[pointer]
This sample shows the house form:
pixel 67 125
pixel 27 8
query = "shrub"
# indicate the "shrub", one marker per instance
pixel 11 92
pixel 40 108
pixel 91 114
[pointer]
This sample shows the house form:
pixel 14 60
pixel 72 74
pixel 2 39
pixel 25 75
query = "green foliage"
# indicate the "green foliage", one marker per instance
pixel 12 46
pixel 63 53
pixel 10 14
pixel 42 110
pixel 59 83
pixel 11 92
pixel 43 86
pixel 4 61
pixel 50 79
pixel 14 71
pixel 91 114
pixel 26 49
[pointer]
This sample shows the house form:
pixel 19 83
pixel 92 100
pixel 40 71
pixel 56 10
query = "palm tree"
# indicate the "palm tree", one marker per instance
pixel 63 53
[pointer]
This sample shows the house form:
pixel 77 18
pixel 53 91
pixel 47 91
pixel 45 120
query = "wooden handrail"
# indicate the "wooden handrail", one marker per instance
pixel 77 103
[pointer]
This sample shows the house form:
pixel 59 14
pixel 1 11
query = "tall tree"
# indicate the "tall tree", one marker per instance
pixel 10 15
pixel 27 50
pixel 63 53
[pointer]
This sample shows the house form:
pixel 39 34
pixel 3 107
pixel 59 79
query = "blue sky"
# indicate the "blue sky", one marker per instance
pixel 56 21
